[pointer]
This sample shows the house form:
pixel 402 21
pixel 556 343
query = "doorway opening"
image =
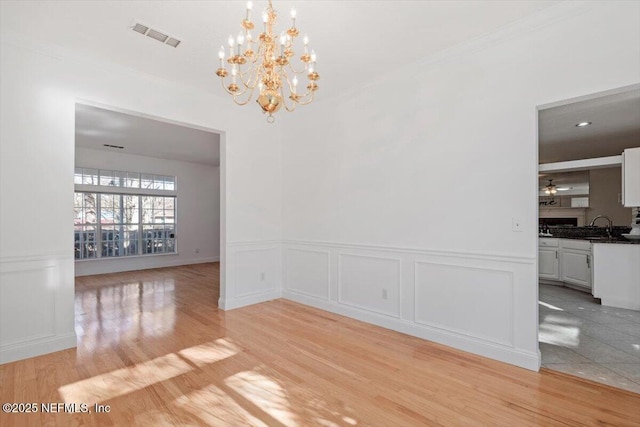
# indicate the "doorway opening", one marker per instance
pixel 580 143
pixel 148 194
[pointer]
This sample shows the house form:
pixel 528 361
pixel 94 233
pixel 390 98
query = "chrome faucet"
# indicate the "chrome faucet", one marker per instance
pixel 609 228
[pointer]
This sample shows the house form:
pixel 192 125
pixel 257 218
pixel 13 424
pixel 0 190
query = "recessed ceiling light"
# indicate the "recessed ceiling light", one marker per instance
pixel 583 124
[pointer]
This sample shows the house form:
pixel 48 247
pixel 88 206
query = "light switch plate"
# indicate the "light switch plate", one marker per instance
pixel 516 224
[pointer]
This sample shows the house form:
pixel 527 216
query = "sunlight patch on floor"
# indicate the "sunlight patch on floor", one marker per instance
pixel 212 352
pixel 559 331
pixel 127 380
pixel 265 393
pixel 552 307
pixel 214 407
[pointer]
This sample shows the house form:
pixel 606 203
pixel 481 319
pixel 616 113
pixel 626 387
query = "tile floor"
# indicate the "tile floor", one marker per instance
pixel 578 336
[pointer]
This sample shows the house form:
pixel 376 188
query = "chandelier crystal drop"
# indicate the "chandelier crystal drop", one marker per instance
pixel 265 64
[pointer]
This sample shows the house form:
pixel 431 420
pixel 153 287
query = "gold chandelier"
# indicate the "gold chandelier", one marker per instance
pixel 266 64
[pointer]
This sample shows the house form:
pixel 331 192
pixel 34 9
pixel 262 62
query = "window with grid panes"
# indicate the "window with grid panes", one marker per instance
pixel 111 224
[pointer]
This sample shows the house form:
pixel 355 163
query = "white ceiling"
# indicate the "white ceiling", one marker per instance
pixel 354 40
pixel 143 136
pixel 615 126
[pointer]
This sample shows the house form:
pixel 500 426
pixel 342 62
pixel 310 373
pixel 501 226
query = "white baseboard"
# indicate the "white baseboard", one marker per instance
pixel 478 346
pixel 231 303
pixel 123 267
pixel 24 350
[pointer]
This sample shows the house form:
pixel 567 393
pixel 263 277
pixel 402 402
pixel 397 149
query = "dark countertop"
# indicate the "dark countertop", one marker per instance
pixel 591 234
pixel 620 240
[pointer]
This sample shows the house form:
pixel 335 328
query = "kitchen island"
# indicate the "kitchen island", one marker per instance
pixel 616 274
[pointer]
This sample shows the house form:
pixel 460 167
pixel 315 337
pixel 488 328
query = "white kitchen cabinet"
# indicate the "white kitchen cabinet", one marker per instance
pixel 575 261
pixel 548 264
pixel 616 275
pixel 631 177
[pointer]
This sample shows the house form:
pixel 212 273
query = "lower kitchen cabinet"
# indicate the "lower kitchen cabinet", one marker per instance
pixel 548 264
pixel 576 268
pixel 569 261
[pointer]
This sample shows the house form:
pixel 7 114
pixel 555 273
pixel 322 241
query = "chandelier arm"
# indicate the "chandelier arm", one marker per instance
pixel 234 94
pixel 249 72
pixel 309 94
pixel 286 78
pixel 293 70
pixel 284 99
pixel 243 102
pixel 224 87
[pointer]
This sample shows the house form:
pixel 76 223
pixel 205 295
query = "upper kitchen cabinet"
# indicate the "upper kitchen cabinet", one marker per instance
pixel 631 177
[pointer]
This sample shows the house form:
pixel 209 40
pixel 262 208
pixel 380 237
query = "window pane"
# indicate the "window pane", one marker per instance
pixel 77 176
pixel 169 183
pixel 146 181
pixel 110 212
pixel 133 180
pixel 85 242
pixel 158 182
pixel 90 176
pixel 119 178
pixel 109 179
pixel 84 207
pixel 130 208
pixel 158 239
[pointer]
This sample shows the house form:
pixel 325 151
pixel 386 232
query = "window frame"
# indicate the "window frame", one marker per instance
pixel 121 191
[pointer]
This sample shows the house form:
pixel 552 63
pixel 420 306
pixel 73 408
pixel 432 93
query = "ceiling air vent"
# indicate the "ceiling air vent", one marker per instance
pixel 155 34
pixel 119 147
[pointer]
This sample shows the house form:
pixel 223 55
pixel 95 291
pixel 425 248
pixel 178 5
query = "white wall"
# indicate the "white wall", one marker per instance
pixel 40 84
pixel 198 214
pixel 411 183
pixel 605 197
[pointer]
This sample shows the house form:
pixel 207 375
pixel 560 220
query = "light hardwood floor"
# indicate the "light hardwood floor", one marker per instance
pixel 153 346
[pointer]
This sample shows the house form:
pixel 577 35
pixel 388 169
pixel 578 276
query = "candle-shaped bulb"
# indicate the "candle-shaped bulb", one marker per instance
pixel 313 55
pixel 231 41
pixel 265 17
pixel 249 5
pixel 240 39
pixel 295 82
pixel 221 53
pixel 310 68
pixel 260 85
pixel 305 39
pixel 293 14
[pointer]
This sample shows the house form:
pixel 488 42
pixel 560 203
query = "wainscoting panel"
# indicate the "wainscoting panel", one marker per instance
pixel 254 273
pixel 370 282
pixel 28 293
pixel 36 306
pixel 307 271
pixel 474 301
pixel 481 303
